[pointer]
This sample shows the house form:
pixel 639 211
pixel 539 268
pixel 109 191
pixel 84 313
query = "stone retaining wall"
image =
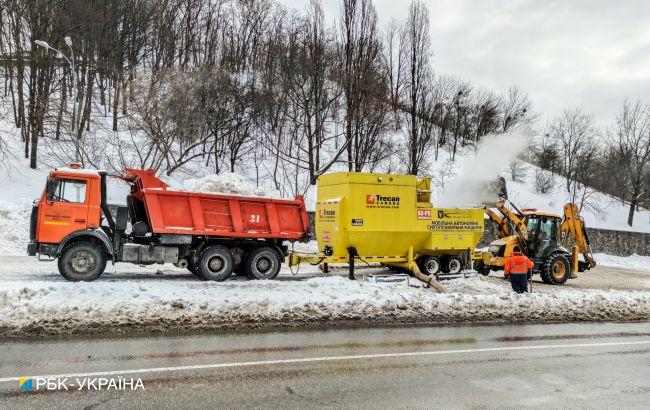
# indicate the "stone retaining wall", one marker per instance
pixel 619 243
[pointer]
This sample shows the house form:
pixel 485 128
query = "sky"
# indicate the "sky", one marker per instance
pixel 572 53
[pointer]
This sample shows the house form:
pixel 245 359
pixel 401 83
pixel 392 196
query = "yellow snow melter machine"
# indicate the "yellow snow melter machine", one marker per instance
pixel 389 219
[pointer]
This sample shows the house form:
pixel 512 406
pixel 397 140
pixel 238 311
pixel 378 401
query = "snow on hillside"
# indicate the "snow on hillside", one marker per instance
pixel 608 213
pixel 20 185
pixel 456 184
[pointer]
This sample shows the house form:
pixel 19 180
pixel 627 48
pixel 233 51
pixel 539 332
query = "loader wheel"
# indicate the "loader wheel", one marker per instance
pixel 262 263
pixel 82 262
pixel 556 270
pixel 479 266
pixel 454 265
pixel 215 263
pixel 429 265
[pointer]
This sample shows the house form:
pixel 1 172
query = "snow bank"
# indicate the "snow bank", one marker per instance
pixel 229 183
pixel 14 227
pixel 45 304
pixel 634 261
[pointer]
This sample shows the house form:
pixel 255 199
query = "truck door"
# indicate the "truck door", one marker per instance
pixel 64 208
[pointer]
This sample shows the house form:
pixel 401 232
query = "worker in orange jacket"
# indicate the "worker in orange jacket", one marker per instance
pixel 516 266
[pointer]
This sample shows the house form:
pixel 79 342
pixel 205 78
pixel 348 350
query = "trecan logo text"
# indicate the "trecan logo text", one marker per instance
pixel 371 199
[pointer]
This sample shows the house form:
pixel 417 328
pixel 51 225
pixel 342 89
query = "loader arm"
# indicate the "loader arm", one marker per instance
pixel 574 225
pixel 504 228
pixel 518 223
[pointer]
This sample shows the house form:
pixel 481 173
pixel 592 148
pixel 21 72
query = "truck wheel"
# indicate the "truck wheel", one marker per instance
pixel 429 265
pixel 262 263
pixel 556 270
pixel 215 263
pixel 194 272
pixel 479 266
pixel 82 262
pixel 454 265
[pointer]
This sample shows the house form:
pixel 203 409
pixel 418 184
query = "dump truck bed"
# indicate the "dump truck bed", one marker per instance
pixel 217 215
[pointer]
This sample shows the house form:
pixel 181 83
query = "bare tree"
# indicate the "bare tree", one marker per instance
pixel 516 108
pixel 418 77
pixel 574 132
pixel 518 170
pixel 364 83
pixel 543 181
pixel 630 143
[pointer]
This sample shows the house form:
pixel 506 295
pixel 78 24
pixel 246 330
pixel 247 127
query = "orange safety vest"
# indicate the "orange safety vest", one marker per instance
pixel 517 263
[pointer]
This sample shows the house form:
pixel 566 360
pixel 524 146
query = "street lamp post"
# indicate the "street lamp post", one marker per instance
pixel 68 42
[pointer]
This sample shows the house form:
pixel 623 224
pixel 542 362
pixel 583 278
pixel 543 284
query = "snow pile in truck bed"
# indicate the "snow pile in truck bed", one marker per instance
pixel 14 227
pixel 229 183
pixel 40 302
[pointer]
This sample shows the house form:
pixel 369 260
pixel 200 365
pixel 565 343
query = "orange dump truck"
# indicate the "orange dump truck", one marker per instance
pixel 212 235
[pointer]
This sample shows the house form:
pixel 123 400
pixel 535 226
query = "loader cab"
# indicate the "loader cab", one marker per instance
pixel 544 232
pixel 71 201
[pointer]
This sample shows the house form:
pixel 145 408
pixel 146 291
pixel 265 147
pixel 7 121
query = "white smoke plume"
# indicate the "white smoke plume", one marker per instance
pixel 478 169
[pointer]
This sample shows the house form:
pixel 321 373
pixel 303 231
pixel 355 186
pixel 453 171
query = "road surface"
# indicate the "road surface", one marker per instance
pixel 550 366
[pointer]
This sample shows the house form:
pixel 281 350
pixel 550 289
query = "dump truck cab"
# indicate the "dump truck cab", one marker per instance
pixel 70 207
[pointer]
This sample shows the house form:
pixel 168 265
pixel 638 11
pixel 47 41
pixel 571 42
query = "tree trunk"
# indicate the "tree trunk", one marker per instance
pixel 116 102
pixel 630 215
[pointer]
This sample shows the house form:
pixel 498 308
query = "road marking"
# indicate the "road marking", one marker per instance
pixel 318 359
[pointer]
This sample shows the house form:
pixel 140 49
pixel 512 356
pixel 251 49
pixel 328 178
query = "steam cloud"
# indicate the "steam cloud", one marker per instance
pixel 479 169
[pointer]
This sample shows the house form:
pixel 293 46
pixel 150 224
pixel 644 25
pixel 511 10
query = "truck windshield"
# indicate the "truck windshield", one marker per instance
pixel 68 190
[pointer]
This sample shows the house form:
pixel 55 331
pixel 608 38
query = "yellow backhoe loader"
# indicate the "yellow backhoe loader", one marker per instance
pixel 544 237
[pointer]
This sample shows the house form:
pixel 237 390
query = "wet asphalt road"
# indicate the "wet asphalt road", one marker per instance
pixel 551 366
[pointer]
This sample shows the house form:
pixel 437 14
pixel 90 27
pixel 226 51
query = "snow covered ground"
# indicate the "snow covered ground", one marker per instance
pixel 636 262
pixel 35 300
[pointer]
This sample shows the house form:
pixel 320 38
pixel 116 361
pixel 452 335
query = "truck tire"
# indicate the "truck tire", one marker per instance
pixel 556 270
pixel 215 263
pixel 262 263
pixel 194 272
pixel 454 265
pixel 82 261
pixel 479 266
pixel 429 265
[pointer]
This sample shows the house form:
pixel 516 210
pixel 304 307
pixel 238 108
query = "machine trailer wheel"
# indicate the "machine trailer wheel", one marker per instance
pixel 429 265
pixel 454 265
pixel 215 263
pixel 82 262
pixel 556 270
pixel 262 263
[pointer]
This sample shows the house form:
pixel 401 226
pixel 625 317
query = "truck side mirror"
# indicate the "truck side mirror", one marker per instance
pixel 50 187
